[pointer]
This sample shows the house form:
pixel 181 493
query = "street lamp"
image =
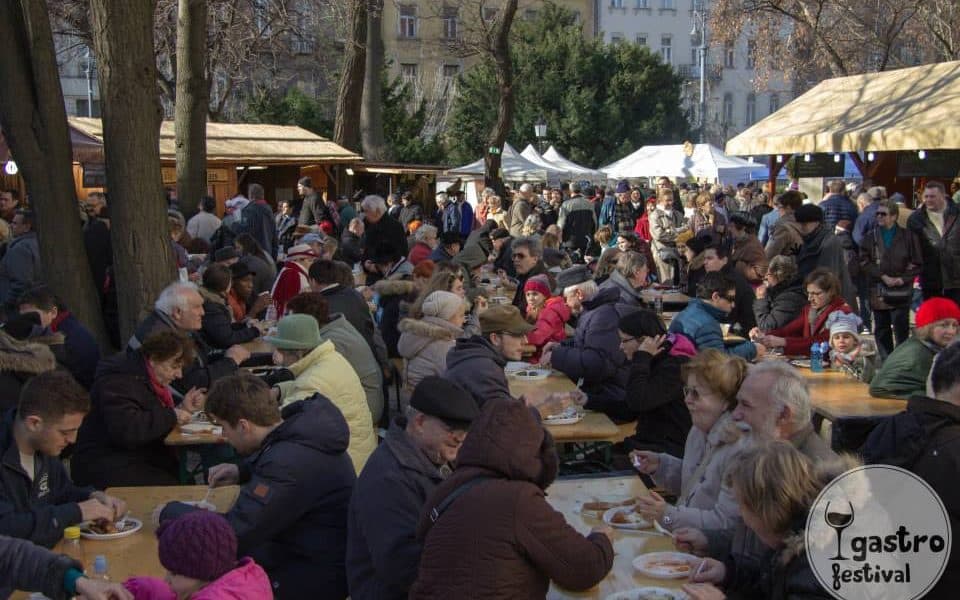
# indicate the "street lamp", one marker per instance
pixel 700 26
pixel 540 130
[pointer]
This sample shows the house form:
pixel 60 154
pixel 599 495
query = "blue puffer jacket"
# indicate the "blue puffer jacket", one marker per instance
pixel 594 355
pixel 699 321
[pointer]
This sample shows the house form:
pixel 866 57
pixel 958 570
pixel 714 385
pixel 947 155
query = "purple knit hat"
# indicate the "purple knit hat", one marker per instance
pixel 200 545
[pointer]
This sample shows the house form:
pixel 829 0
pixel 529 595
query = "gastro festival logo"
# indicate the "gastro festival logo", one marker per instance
pixel 878 532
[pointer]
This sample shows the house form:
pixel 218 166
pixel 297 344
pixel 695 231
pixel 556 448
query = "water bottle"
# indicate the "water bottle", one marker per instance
pixel 658 303
pixel 71 544
pixel 100 568
pixel 816 358
pixel 825 354
pixel 271 316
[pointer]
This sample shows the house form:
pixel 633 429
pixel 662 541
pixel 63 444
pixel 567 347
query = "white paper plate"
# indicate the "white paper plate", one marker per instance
pixel 607 502
pixel 516 365
pixel 564 420
pixel 644 564
pixel 803 363
pixel 133 526
pixel 200 428
pixel 649 593
pixel 639 524
pixel 531 374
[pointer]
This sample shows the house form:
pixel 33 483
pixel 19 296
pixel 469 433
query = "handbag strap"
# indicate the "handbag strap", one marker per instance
pixel 462 489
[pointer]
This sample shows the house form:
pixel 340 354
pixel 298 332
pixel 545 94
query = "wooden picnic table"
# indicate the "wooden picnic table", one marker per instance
pixel 177 437
pixel 136 554
pixel 258 346
pixel 566 497
pixel 835 395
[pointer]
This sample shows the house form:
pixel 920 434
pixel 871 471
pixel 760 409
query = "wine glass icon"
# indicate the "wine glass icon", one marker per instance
pixel 838 521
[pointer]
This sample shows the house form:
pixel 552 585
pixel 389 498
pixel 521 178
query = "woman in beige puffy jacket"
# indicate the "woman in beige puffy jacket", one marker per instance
pixel 424 342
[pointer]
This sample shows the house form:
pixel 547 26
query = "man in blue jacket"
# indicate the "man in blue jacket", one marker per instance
pixel 37 498
pixel 291 514
pixel 383 554
pixel 700 320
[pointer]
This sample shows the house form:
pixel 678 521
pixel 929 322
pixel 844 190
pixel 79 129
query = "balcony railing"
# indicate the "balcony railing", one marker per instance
pixel 713 72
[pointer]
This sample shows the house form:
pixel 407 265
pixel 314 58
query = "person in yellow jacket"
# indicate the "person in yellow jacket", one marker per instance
pixel 318 367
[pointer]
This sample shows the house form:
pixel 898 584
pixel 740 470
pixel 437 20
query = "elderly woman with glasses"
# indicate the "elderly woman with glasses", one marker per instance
pixel 797 336
pixel 700 479
pixel 781 297
pixel 890 257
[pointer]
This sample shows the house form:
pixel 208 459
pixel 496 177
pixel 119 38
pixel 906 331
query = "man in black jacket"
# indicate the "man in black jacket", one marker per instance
pixel 256 218
pixel 37 498
pixel 382 550
pixel 379 229
pixel 291 514
pixel 314 210
pixel 937 225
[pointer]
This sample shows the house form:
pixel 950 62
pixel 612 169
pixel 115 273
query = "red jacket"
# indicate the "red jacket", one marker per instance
pixel 550 325
pixel 800 336
pixel 642 228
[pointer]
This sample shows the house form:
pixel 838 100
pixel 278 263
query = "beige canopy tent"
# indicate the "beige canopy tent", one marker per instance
pixel 905 109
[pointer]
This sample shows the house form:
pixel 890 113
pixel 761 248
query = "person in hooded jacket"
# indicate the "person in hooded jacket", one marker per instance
pixel 780 298
pixel 655 385
pixel 396 287
pixel 133 410
pixel 291 514
pixel 20 360
pixel 425 341
pixel 498 537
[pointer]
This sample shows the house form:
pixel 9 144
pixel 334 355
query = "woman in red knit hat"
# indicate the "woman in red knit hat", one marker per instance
pixel 549 313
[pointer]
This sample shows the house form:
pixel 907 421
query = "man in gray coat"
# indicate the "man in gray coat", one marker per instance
pixel 383 554
pixel 822 248
pixel 20 267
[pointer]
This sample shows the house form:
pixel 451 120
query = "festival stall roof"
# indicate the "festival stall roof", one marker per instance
pixel 561 162
pixel 684 160
pixel 905 109
pixel 513 166
pixel 530 153
pixel 243 143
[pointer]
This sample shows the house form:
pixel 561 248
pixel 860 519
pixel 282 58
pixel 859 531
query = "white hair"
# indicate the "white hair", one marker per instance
pixel 787 388
pixel 488 192
pixel 174 296
pixel 442 198
pixel 526 187
pixel 374 203
pixel 424 232
pixel 588 288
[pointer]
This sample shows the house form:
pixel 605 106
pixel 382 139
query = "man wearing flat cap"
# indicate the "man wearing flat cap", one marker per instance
pixel 383 554
pixel 822 248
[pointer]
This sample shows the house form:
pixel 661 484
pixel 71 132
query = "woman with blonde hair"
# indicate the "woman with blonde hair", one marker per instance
pixel 705 216
pixel 699 479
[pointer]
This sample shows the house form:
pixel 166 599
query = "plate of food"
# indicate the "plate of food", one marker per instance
pixel 626 517
pixel 803 363
pixel 597 506
pixel 262 370
pixel 515 365
pixel 199 428
pixel 665 565
pixel 649 593
pixel 569 416
pixel 531 374
pixel 102 529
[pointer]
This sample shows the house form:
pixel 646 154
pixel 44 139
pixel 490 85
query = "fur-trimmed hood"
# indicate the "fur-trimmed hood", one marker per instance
pixel 417 334
pixel 210 296
pixel 395 287
pixel 28 356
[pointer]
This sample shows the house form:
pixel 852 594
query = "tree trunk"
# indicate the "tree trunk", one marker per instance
pixel 34 124
pixel 371 114
pixel 346 128
pixel 192 103
pixel 143 262
pixel 503 67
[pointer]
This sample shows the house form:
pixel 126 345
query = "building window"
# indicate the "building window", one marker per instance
pixel 82 108
pixel 409 73
pixel 641 39
pixel 408 21
pixel 774 103
pixel 751 108
pixel 616 3
pixel 643 3
pixel 668 5
pixel 729 56
pixel 450 22
pixel 751 52
pixel 616 38
pixel 666 49
pixel 728 109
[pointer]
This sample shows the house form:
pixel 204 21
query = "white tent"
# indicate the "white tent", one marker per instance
pixel 561 162
pixel 530 153
pixel 706 161
pixel 513 166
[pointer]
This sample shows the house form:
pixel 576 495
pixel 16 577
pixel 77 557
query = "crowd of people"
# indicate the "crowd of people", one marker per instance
pixel 383 454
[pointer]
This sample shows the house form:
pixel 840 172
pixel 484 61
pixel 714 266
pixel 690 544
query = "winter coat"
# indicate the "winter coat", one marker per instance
pixel 291 514
pixel 577 222
pixel 20 268
pixel 742 313
pixel 501 539
pixel 424 344
pixel 393 292
pixel 20 361
pixel 96 240
pixel 781 305
pixel 203 225
pixel 385 231
pixel 293 280
pixel 207 366
pixel 26 566
pixel 823 248
pixel 516 215
pixel 35 510
pixel 902 259
pixel 351 247
pixel 350 344
pixel 749 259
pixel 440 254
pixel 247 581
pixel 326 372
pixel 904 372
pixel 550 326
pixel 419 253
pixel 629 295
pixel 699 479
pixel 786 238
pixel 798 333
pixel 941 253
pixel 594 356
pixel 256 218
pixel 218 326
pixel 700 323
pixel 655 394
pixel 348 302
pixel 781 574
pixel 476 366
pixel 121 439
pixel 519 297
pixel 82 349
pixel 383 553
pixel 836 208
pixel 314 210
pixel 664 226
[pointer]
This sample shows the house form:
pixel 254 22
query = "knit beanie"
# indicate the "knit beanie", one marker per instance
pixel 442 305
pixel 538 283
pixel 623 187
pixel 200 545
pixel 936 309
pixel 841 322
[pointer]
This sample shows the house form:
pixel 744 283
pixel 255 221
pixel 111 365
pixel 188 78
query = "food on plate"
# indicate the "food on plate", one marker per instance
pixel 656 595
pixel 627 517
pixel 671 565
pixel 605 506
pixel 570 412
pixel 105 527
